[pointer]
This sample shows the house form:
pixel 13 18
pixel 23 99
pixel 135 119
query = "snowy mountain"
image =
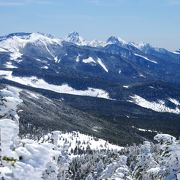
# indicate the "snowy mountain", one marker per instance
pixel 116 83
pixel 75 38
pixel 74 109
pixel 116 40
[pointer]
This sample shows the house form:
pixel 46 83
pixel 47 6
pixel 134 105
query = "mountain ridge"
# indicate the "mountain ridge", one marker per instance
pixel 119 84
pixel 77 39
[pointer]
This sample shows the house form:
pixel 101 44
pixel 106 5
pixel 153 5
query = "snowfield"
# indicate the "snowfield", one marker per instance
pixel 84 141
pixel 10 65
pixel 102 64
pixel 144 130
pixel 89 60
pixel 158 106
pixel 143 57
pixel 2 50
pixel 92 61
pixel 174 101
pixel 65 88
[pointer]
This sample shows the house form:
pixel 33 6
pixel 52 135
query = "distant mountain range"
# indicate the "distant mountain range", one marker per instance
pixel 117 90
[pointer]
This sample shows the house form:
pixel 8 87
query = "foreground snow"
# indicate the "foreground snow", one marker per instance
pixel 77 156
pixel 28 159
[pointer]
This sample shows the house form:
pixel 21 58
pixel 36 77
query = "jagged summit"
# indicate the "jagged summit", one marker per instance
pixel 74 35
pixel 115 40
pixel 75 38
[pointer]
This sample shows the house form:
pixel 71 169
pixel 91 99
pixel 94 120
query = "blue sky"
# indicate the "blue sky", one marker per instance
pixel 153 21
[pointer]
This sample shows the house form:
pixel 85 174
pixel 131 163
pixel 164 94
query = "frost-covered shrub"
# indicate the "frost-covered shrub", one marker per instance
pixel 67 156
pixel 169 155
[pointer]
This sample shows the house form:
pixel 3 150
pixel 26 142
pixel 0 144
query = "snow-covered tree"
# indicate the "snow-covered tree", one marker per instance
pixel 54 157
pixel 144 161
pixel 117 170
pixel 51 171
pixel 169 155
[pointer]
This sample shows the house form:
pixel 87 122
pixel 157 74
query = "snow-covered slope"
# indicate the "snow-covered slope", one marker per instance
pixel 102 64
pixel 158 106
pixel 16 41
pixel 64 88
pixel 15 44
pixel 76 139
pixel 138 55
pixel 89 60
pixel 94 62
pixel 42 49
